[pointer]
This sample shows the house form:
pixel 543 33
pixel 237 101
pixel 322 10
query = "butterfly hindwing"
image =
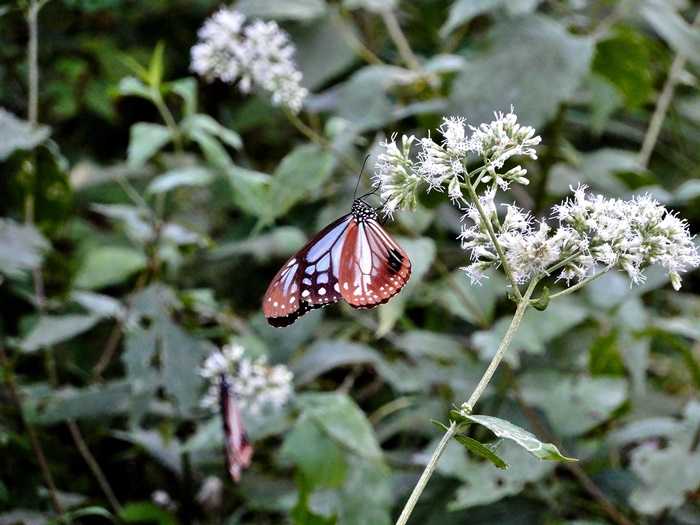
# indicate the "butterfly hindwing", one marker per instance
pixel 374 267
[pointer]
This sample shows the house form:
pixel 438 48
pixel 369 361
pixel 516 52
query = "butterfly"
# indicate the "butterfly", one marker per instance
pixel 352 258
pixel 239 451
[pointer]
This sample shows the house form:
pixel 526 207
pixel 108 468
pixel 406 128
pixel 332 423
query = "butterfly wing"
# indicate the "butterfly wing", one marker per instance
pixel 239 451
pixel 309 279
pixel 374 267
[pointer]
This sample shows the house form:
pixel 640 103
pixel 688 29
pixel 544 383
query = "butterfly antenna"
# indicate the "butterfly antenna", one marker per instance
pixel 359 178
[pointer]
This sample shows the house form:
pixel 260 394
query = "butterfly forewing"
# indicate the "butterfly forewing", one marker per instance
pixel 374 267
pixel 309 279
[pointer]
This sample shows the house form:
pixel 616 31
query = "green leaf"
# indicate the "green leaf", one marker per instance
pixel 481 450
pixel 474 304
pixel 542 301
pixel 108 265
pixel 186 88
pixel 421 252
pixel 462 11
pixel 423 343
pixel 199 122
pixel 573 404
pixel 536 330
pixel 326 355
pixel 300 173
pixel 532 63
pixel 277 243
pixel 146 512
pixel 286 10
pixel 167 451
pixel 680 35
pixel 321 460
pixel 181 356
pixel 376 6
pixel 249 190
pixel 19 135
pixel 155 67
pixel 145 140
pixel 102 306
pixel 625 61
pixel 85 403
pixel 54 329
pixel 134 87
pixel 343 421
pixel 507 430
pixel 177 178
pixel 22 248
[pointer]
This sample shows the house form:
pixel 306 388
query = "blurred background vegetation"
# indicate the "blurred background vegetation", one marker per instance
pixel 125 257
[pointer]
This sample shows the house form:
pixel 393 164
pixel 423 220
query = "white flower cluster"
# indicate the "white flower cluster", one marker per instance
pixel 592 231
pixel 258 54
pixel 254 383
pixel 394 176
pixel 444 164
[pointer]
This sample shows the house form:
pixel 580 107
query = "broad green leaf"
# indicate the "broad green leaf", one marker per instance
pixel 181 357
pixel 177 178
pixel 73 515
pixel 376 6
pixel 326 355
pixel 320 459
pixel 140 349
pixel 213 150
pixel 573 404
pixel 303 10
pixel 145 140
pixel 423 343
pixel 134 87
pixel 249 190
pixel 93 402
pixel 155 66
pixel 532 63
pixel 55 329
pixel 462 11
pixel 507 430
pixel 186 88
pixel 343 421
pixel 167 452
pixel 19 135
pixel 146 512
pixel 535 331
pixel 22 248
pixel 322 50
pixel 421 252
pixel 482 483
pixel 473 303
pixel 98 304
pixel 279 242
pixel 678 33
pixel 481 450
pixel 200 122
pixel 303 171
pixel 108 265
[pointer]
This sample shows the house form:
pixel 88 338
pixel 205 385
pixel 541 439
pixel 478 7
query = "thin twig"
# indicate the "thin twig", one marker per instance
pixel 33 438
pixel 400 40
pixel 578 285
pixel 354 41
pixel 94 465
pixel 663 104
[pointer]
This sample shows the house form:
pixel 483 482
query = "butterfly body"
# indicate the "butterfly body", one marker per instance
pixel 353 259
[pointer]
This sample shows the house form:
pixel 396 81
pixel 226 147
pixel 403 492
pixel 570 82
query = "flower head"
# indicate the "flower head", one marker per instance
pixel 504 138
pixel 394 176
pixel 254 383
pixel 258 54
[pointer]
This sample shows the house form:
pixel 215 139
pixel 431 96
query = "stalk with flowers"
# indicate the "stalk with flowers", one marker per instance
pixel 585 236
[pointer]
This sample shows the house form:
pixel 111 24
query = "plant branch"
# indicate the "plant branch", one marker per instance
pixel 354 41
pixel 33 438
pixel 168 118
pixel 468 406
pixel 94 465
pixel 578 285
pixel 427 473
pixel 400 40
pixel 662 105
pixel 489 228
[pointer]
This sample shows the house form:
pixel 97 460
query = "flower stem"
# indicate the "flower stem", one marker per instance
pixel 578 285
pixel 168 118
pixel 489 228
pixel 400 40
pixel 469 405
pixel 427 473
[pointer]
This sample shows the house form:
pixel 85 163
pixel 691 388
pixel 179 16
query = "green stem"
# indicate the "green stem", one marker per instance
pixel 427 473
pixel 469 405
pixel 489 228
pixel 400 40
pixel 580 284
pixel 168 118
